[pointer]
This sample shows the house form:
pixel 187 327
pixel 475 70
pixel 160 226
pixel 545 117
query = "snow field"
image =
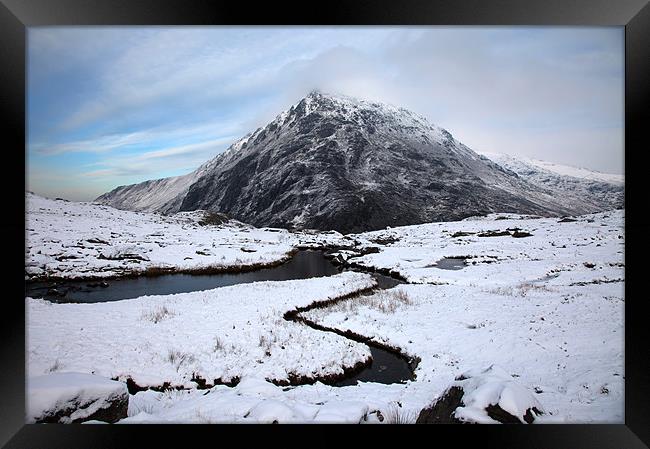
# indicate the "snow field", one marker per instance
pixel 547 309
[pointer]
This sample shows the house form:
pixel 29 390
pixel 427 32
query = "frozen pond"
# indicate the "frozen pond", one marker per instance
pixel 450 263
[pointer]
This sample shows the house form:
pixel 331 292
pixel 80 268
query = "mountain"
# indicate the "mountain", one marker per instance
pixel 580 188
pixel 335 162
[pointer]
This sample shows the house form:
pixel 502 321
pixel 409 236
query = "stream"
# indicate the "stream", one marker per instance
pixel 387 367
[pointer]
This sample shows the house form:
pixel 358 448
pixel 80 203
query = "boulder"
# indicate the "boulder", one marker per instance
pixel 487 396
pixel 123 252
pixel 75 398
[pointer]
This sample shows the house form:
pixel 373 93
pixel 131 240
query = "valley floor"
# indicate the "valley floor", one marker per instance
pixel 541 299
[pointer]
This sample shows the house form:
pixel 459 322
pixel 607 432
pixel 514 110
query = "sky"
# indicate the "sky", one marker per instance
pixel 109 106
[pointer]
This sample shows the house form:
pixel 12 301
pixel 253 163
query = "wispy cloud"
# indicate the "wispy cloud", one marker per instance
pixel 184 157
pixel 98 145
pixel 145 138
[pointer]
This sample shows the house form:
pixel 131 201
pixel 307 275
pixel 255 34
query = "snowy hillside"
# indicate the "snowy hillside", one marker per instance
pixel 575 172
pixel 579 187
pixel 159 195
pixel 335 162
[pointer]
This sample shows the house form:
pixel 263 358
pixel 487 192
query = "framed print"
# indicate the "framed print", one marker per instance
pixel 365 213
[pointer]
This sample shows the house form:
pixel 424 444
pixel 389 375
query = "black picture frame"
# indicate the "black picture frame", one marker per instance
pixel 16 15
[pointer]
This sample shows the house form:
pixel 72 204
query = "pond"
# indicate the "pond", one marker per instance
pixel 303 265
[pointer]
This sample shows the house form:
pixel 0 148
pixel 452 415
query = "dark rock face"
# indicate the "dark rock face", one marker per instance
pixel 333 162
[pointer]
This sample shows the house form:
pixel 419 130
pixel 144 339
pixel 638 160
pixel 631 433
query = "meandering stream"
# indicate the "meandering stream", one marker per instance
pixel 387 367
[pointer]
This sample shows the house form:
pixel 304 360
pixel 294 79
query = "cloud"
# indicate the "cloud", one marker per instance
pixel 191 66
pixel 478 75
pixel 99 145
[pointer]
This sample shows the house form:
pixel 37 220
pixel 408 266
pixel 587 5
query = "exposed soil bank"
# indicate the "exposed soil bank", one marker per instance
pixel 374 270
pixel 201 384
pixel 442 411
pixel 330 253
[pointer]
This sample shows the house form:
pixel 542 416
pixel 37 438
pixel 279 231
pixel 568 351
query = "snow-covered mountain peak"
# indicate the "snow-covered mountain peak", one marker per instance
pixel 369 117
pixel 331 161
pixel 359 109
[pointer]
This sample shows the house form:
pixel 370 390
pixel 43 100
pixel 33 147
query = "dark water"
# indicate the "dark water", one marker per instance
pixel 386 367
pixel 449 263
pixel 305 264
pixel 385 282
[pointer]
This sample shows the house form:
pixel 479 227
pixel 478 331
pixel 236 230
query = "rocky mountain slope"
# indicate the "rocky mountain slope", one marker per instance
pixel 335 162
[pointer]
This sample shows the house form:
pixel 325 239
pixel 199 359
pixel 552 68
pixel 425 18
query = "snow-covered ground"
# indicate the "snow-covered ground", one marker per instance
pixel 72 240
pixel 545 309
pixel 557 253
pixel 549 307
pixel 83 394
pixel 564 342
